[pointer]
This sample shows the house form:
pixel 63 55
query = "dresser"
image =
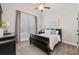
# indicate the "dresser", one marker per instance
pixel 7 44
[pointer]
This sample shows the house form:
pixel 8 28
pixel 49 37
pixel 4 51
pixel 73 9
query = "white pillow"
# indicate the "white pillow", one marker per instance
pixel 57 32
pixel 47 31
pixel 53 32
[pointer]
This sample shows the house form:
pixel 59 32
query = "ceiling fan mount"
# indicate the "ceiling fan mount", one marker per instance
pixel 42 7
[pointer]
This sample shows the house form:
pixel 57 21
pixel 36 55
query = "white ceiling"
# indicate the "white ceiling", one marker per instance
pixel 56 6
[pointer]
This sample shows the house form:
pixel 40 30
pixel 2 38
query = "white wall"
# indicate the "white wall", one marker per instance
pixel 9 13
pixel 66 14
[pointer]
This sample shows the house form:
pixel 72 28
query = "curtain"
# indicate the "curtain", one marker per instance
pixel 17 26
pixel 32 24
pixel 27 26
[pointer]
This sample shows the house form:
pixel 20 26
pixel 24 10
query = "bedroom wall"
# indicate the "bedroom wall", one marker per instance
pixel 66 14
pixel 9 13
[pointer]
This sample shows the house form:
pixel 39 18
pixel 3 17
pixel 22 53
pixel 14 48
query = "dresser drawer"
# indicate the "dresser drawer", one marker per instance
pixel 8 48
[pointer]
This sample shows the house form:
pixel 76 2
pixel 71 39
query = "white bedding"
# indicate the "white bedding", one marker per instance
pixel 53 39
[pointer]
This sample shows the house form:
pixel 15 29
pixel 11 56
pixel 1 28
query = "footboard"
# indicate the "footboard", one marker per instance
pixel 41 42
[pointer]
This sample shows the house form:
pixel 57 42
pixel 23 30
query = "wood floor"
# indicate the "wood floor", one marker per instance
pixel 24 48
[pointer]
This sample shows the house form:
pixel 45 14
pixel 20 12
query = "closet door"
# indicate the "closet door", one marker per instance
pixel 24 27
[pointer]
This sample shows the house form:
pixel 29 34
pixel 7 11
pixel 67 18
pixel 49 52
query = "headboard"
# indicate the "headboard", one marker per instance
pixel 60 32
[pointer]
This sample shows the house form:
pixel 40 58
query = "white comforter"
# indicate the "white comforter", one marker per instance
pixel 53 39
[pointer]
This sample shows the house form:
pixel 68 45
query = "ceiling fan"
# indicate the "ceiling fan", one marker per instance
pixel 42 6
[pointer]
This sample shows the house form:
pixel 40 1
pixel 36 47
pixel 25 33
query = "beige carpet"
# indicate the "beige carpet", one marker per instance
pixel 24 48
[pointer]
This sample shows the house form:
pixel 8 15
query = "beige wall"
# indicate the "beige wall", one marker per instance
pixel 66 13
pixel 9 13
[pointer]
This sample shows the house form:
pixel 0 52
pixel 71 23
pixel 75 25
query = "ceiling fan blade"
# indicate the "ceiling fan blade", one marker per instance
pixel 35 8
pixel 41 3
pixel 47 7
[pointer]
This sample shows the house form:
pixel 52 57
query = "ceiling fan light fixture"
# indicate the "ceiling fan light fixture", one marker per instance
pixel 41 7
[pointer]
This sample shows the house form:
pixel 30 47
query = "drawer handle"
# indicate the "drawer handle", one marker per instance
pixel 7 41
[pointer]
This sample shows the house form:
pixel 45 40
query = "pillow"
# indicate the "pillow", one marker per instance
pixel 53 32
pixel 57 32
pixel 47 31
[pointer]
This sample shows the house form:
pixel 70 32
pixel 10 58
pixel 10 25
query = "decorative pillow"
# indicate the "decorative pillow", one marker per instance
pixel 57 32
pixel 53 32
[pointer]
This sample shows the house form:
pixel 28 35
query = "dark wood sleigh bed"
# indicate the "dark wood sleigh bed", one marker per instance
pixel 43 42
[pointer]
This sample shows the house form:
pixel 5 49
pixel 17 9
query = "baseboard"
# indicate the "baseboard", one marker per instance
pixel 70 43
